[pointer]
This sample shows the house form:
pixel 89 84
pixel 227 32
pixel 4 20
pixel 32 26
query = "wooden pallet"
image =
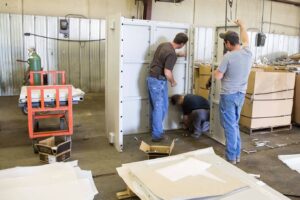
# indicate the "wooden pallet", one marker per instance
pixel 125 194
pixel 252 131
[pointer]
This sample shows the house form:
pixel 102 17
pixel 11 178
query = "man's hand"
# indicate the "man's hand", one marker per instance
pixel 239 22
pixel 243 32
pixel 173 84
pixel 218 75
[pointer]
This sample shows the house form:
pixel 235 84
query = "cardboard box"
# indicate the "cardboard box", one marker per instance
pixel 266 82
pixel 204 69
pixel 269 98
pixel 203 79
pixel 54 149
pixel 288 94
pixel 265 122
pixel 270 108
pixel 196 81
pixel 296 109
pixel 204 93
pixel 202 74
pixel 156 151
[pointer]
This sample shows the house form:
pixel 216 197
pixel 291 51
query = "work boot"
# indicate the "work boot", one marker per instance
pixel 158 139
pixel 232 162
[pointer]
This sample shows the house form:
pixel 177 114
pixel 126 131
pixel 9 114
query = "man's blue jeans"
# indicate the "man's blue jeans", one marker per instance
pixel 158 96
pixel 230 110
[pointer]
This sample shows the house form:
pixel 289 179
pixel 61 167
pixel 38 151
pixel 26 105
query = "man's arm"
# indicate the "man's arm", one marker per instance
pixel 186 121
pixel 218 75
pixel 243 32
pixel 170 77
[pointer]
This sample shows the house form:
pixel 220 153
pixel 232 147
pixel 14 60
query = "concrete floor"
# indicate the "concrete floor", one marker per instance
pixel 91 148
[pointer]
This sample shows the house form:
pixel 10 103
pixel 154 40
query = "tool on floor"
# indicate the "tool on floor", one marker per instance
pixel 249 151
pixel 261 143
pixel 281 145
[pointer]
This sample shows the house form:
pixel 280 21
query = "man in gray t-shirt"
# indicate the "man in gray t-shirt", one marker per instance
pixel 233 71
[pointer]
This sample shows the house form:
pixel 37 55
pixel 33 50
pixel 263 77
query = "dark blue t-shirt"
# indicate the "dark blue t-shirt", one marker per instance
pixel 193 102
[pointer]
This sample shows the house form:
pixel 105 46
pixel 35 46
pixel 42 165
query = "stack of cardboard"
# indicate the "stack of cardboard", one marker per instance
pixel 198 174
pixel 201 76
pixel 58 181
pixel 269 99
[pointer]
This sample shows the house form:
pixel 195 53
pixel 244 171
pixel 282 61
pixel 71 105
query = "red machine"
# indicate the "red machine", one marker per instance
pixel 49 101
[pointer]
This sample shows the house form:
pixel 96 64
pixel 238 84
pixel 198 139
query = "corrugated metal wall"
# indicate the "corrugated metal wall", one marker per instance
pixel 83 61
pixel 274 43
pixel 204 44
pixel 205 38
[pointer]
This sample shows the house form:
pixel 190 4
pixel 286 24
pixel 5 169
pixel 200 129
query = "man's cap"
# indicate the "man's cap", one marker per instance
pixel 230 36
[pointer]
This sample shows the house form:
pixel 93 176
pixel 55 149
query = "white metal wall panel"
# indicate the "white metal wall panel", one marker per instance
pixel 204 43
pixel 293 45
pixel 251 36
pixel 63 55
pixel 102 52
pixel 216 130
pixel 280 42
pixel 18 68
pixel 285 45
pixel 200 44
pixel 209 41
pixel 41 43
pixel 5 59
pixel 276 47
pixel 95 71
pixel 84 54
pixel 74 52
pixel 136 74
pixel 138 45
pixel 173 118
pixel 52 31
pixel 131 109
pixel 180 74
pixel 102 65
pixel 28 27
pixel 85 62
pixel 63 59
pixel 113 100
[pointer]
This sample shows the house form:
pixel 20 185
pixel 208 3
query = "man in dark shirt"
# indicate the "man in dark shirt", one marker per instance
pixel 160 72
pixel 195 112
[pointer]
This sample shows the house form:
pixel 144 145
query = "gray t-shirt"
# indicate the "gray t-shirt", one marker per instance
pixel 235 66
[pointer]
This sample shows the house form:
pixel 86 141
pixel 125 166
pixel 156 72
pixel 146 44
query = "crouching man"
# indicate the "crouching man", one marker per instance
pixel 195 113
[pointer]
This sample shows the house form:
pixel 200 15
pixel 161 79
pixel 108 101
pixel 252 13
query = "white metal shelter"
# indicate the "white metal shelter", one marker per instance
pixel 130 48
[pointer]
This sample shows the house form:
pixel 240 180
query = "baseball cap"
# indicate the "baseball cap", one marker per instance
pixel 230 36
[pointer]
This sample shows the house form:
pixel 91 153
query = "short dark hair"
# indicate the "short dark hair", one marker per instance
pixel 175 99
pixel 181 38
